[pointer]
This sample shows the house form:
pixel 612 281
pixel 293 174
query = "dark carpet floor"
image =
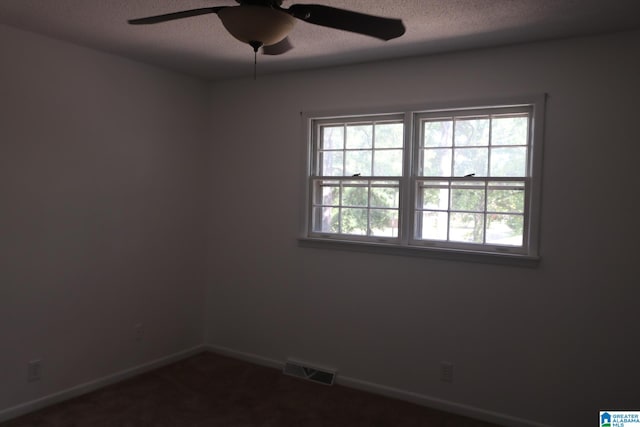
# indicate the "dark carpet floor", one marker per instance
pixel 215 391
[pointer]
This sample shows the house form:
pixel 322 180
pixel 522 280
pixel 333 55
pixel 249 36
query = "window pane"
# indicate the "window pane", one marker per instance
pixel 467 227
pixel 358 162
pixel 438 134
pixel 331 163
pixel 467 199
pixel 435 198
pixel 436 162
pixel 505 229
pixel 389 135
pixel 355 195
pixel 387 163
pixel 509 131
pixel 326 220
pixel 332 137
pixel 327 193
pixel 472 132
pixel 508 201
pixel 470 161
pixel 434 225
pixel 359 136
pixel 354 221
pixel 385 197
pixel 509 161
pixel 384 222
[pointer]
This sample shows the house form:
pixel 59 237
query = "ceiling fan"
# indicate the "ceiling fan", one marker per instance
pixel 264 23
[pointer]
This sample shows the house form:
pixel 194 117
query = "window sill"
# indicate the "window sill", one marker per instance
pixel 416 251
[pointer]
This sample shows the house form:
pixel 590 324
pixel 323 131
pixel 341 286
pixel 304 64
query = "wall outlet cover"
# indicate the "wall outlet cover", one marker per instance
pixel 446 372
pixel 34 370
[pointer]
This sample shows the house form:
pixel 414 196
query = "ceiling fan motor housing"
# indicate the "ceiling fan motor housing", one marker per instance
pixel 251 24
pixel 270 3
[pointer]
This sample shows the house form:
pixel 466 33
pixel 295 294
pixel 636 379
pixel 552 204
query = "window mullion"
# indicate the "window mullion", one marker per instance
pixel 486 184
pixel 453 145
pixel 486 217
pixel 407 181
pixel 373 148
pixel 344 154
pixel 340 204
pixel 449 203
pixel 369 208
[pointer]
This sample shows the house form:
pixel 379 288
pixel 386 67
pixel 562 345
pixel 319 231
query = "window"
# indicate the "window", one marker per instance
pixel 463 179
pixel 357 188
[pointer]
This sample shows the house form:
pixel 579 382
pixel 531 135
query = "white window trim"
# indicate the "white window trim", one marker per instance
pixel 404 245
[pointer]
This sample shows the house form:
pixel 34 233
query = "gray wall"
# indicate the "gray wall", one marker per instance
pixel 102 214
pixel 553 344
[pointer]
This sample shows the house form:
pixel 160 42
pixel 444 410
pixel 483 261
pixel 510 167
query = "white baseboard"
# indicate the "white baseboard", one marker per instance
pixel 25 408
pixel 439 404
pixel 420 399
pixel 247 357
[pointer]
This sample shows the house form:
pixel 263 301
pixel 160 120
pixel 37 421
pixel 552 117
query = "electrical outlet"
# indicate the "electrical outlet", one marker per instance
pixel 34 370
pixel 446 372
pixel 138 332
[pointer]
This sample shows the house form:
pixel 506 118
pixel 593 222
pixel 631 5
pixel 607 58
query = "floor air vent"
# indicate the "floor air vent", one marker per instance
pixel 304 371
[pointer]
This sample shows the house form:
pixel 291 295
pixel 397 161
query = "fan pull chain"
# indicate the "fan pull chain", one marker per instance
pixel 255 45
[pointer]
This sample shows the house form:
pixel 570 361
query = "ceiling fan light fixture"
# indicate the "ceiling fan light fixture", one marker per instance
pixel 251 24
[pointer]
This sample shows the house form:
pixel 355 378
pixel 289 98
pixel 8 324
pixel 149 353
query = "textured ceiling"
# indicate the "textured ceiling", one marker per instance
pixel 200 45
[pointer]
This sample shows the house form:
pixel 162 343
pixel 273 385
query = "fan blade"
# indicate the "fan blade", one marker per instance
pixel 341 19
pixel 279 48
pixel 176 15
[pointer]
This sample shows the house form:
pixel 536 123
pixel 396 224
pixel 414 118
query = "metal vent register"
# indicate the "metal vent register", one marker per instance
pixel 311 373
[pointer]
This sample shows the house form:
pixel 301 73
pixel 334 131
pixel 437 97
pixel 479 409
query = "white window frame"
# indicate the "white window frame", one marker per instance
pixel 406 244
